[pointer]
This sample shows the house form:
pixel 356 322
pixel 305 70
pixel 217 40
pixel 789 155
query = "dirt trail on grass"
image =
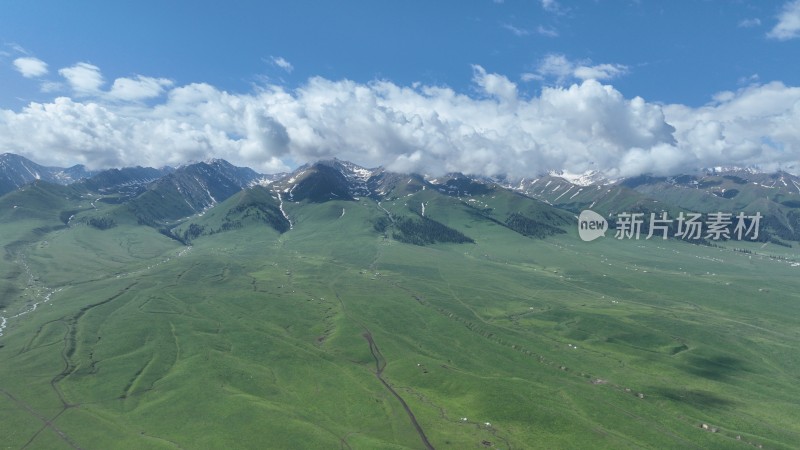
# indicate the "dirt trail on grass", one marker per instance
pixel 380 364
pixel 70 344
pixel 46 423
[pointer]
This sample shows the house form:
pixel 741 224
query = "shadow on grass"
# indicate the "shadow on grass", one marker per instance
pixel 697 398
pixel 718 368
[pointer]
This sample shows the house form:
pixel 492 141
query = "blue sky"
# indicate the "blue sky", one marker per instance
pixel 489 81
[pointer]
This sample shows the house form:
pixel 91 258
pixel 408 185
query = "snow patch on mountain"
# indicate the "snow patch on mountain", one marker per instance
pixel 588 178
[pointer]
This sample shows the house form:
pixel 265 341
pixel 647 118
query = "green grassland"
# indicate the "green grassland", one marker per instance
pixel 334 335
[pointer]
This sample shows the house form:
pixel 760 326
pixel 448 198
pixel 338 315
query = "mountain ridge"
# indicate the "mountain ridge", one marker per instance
pixel 25 170
pixel 17 171
pixel 163 197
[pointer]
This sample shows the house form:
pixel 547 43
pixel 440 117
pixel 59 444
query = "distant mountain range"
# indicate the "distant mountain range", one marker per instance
pixel 176 200
pixel 17 171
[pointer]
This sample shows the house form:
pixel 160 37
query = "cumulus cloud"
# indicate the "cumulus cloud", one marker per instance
pixel 30 67
pixel 750 127
pixel 788 26
pixel 495 85
pixel 139 88
pixel 493 129
pixel 83 78
pixel 561 69
pixel 282 63
pixel 86 80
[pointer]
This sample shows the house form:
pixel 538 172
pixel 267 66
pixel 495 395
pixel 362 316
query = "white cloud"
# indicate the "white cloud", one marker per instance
pixel 83 78
pixel 139 88
pixel 51 86
pixel 494 84
pixel 86 80
pixel 552 66
pixel 282 63
pixel 788 26
pixel 561 69
pixel 582 126
pixel 547 31
pixel 600 71
pixel 753 126
pixel 16 48
pixel 30 67
pixel 754 78
pixel 750 23
pixel 520 32
pixel 550 5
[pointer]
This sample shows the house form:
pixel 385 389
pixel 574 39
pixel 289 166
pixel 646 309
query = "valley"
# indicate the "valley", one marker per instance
pixel 264 321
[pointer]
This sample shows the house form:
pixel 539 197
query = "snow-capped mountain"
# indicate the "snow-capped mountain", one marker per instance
pixel 588 178
pixel 158 195
pixel 326 180
pixel 17 171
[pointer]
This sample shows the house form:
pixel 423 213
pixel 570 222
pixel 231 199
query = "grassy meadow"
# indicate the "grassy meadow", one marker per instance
pixel 332 335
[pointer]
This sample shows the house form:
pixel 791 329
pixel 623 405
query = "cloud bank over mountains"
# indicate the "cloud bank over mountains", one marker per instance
pixel 578 124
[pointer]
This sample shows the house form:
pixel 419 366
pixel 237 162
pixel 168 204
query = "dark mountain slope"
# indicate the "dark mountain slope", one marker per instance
pixel 254 206
pixel 189 190
pixel 127 182
pixel 17 171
